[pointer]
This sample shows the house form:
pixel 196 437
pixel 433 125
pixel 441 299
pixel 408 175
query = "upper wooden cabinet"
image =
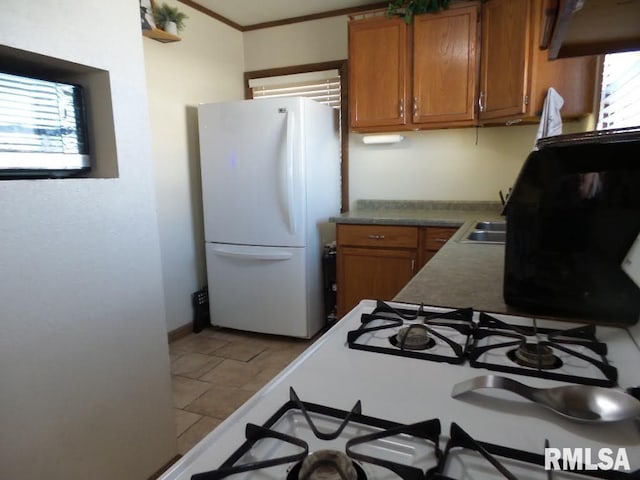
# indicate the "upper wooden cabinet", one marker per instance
pixel 418 76
pixel 445 67
pixel 516 74
pixel 505 47
pixel 438 72
pixel 377 72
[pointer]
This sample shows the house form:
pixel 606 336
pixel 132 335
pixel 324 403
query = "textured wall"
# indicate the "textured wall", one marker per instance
pixel 85 389
pixel 206 66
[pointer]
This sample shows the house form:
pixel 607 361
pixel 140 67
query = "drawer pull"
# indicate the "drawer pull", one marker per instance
pixel 376 237
pixel 440 240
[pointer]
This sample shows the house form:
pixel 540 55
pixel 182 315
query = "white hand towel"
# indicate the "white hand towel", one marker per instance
pixel 551 121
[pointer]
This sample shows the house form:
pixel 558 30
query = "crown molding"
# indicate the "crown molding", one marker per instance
pixel 284 21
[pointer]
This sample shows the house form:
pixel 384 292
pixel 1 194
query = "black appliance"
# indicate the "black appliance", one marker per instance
pixel 573 215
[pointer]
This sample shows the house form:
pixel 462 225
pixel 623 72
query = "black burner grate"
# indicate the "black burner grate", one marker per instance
pixel 505 335
pixel 428 430
pixel 463 456
pixel 496 461
pixel 387 318
pixel 476 341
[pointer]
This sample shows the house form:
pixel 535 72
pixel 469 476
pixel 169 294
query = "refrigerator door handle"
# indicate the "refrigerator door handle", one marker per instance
pixel 252 254
pixel 288 171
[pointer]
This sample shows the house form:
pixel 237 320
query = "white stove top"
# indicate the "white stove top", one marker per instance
pixel 409 390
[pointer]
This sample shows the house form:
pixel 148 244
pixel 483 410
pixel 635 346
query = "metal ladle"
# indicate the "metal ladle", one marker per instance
pixel 579 402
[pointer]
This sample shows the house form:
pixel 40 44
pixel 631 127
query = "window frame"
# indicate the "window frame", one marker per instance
pixel 342 67
pixel 599 92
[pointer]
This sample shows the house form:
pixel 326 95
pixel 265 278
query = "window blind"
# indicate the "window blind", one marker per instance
pixel 323 87
pixel 620 98
pixel 37 115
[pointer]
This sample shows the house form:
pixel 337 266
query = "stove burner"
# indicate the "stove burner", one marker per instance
pixel 326 465
pixel 535 355
pixel 440 336
pixel 574 355
pixel 391 440
pixel 413 337
pixel 466 457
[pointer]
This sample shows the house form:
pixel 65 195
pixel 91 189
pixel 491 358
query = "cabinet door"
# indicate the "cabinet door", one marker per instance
pixel 573 78
pixel 433 239
pixel 504 65
pixel 373 273
pixel 516 74
pixel 377 66
pixel 445 66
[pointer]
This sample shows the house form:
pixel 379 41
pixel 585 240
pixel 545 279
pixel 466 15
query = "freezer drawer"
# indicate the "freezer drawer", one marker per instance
pixel 258 289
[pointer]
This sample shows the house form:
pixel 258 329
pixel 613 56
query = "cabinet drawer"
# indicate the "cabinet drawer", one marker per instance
pixel 377 236
pixel 436 237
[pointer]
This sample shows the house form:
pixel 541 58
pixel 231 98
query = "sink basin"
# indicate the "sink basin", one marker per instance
pixel 487 236
pixel 494 231
pixel 498 225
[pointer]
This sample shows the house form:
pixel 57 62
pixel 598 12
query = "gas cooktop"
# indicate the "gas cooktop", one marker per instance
pixel 306 441
pixel 389 416
pixel 569 353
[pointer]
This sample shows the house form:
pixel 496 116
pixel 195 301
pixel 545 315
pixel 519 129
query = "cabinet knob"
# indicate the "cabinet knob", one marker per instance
pixel 401 107
pixel 481 102
pixel 415 106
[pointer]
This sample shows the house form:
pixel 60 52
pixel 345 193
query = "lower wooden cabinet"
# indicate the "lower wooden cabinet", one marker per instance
pixel 431 240
pixel 372 273
pixel 377 261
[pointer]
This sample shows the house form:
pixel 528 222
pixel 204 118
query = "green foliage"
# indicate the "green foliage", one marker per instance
pixel 164 14
pixel 408 8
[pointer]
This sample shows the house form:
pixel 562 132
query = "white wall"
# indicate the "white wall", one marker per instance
pixel 84 369
pixel 456 164
pixel 207 65
pixel 428 165
pixel 299 43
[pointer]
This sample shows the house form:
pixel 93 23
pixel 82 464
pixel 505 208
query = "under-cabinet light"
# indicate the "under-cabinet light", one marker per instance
pixel 381 139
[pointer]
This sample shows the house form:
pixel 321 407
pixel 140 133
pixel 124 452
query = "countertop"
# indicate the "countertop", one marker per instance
pixel 460 274
pixel 419 213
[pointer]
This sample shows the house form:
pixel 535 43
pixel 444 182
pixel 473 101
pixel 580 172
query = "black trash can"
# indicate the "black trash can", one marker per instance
pixel 200 302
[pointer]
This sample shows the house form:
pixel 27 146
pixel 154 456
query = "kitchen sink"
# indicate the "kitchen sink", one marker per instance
pixel 494 232
pixel 497 225
pixel 487 236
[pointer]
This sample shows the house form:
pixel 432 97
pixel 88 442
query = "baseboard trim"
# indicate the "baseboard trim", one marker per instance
pixel 179 332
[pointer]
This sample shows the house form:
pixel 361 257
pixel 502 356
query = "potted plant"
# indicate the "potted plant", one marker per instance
pixel 408 8
pixel 169 18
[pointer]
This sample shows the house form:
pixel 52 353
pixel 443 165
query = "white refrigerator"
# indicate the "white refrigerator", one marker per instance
pixel 270 181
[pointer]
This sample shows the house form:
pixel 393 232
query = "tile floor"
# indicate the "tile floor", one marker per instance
pixel 217 370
